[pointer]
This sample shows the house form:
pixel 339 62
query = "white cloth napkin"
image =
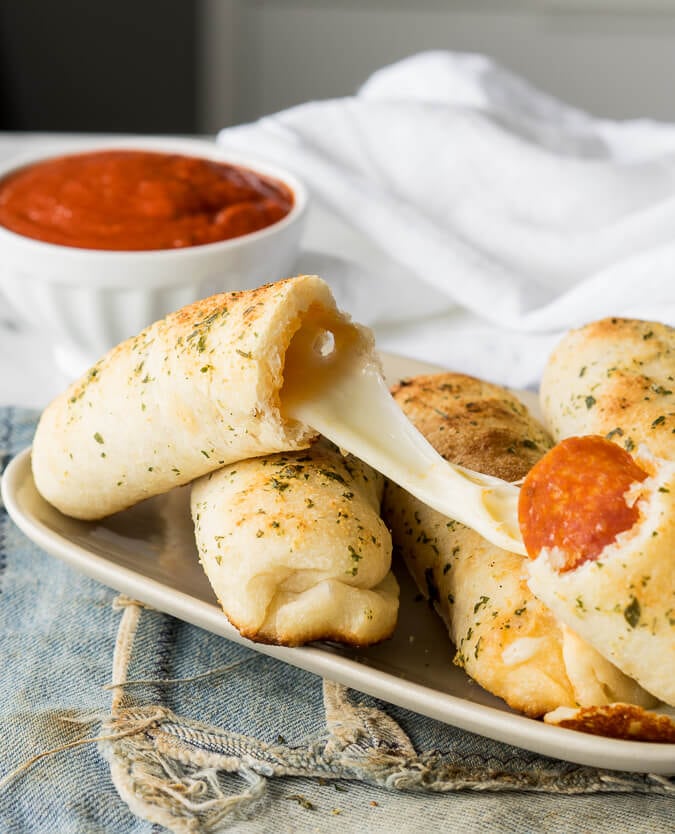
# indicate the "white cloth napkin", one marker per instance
pixel 499 216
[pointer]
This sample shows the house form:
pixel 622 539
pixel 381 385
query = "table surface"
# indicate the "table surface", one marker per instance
pixel 29 376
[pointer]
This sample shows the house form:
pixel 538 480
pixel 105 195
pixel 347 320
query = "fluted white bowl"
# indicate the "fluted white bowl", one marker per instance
pixel 85 301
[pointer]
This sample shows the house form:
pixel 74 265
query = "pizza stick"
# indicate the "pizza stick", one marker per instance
pixel 599 525
pixel 295 549
pixel 236 376
pixel 193 392
pixel 506 639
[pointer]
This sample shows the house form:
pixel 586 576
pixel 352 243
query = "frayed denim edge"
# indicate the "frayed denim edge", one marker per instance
pixel 177 772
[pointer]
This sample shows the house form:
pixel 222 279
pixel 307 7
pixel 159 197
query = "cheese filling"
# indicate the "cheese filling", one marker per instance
pixel 521 650
pixel 333 383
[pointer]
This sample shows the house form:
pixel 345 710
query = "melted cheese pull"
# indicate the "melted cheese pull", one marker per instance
pixel 333 384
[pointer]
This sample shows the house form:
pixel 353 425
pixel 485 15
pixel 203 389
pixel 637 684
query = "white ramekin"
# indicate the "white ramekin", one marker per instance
pixel 85 301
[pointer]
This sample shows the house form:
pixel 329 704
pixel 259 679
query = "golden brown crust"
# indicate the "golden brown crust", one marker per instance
pixel 625 721
pixel 614 377
pixel 473 423
pixel 323 635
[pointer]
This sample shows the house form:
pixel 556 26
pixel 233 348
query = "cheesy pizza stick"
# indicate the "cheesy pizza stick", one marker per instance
pixel 506 639
pixel 615 378
pixel 193 392
pixel 599 525
pixel 236 376
pixel 295 549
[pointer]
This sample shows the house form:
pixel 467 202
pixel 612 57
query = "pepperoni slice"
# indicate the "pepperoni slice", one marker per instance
pixel 574 499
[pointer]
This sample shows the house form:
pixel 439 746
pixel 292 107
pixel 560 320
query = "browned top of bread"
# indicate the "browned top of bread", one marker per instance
pixel 614 377
pixel 473 423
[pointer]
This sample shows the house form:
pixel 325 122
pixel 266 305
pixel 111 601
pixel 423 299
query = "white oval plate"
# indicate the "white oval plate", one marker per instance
pixel 148 553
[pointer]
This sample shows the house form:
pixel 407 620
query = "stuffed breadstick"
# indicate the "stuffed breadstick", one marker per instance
pixel 600 524
pixel 235 376
pixel 615 378
pixel 506 639
pixel 194 391
pixel 600 528
pixel 295 549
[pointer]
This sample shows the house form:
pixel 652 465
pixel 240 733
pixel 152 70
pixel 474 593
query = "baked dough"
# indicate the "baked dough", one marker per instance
pixel 295 549
pixel 506 639
pixel 620 598
pixel 614 377
pixel 617 721
pixel 193 392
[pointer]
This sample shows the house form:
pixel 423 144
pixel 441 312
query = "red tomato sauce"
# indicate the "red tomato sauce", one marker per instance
pixel 574 499
pixel 137 200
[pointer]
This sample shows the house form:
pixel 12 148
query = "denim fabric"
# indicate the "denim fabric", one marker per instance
pixel 200 734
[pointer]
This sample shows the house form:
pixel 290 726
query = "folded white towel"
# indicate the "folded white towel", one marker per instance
pixel 500 216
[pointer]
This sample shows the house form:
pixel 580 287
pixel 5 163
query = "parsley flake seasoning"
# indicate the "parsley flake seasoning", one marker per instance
pixel 631 613
pixel 296 522
pixel 356 557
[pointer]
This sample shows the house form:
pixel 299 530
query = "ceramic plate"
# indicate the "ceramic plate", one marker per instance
pixel 148 553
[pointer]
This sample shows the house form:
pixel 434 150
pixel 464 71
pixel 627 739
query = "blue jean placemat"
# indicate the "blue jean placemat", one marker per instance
pixel 202 734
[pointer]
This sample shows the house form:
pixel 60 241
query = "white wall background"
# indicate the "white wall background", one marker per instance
pixel 615 58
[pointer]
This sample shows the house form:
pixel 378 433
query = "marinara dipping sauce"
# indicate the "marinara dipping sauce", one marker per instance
pixel 138 200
